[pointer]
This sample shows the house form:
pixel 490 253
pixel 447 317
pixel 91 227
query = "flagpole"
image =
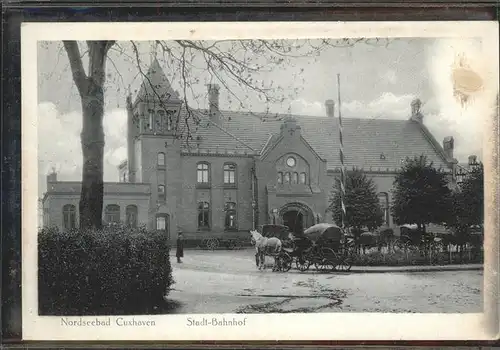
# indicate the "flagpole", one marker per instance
pixel 341 154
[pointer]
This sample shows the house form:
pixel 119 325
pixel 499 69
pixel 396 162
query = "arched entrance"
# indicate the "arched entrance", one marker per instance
pixel 294 219
pixel 297 216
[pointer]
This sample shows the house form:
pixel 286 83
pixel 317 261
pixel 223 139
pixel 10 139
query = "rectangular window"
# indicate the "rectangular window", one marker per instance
pixel 161 160
pixel 69 217
pixel 204 215
pixel 202 173
pixel 161 223
pixel 229 174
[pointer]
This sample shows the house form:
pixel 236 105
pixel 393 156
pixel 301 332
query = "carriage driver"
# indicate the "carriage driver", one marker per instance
pixel 301 243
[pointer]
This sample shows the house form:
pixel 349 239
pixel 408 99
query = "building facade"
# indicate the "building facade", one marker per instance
pixel 214 172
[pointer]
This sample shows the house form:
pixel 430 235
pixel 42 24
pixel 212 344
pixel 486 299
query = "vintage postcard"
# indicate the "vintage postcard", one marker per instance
pixel 260 181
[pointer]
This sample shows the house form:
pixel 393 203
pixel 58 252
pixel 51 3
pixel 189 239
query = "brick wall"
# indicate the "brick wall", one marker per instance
pixel 216 194
pixel 55 202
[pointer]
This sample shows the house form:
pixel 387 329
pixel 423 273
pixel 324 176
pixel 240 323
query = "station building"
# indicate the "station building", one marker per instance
pixel 238 170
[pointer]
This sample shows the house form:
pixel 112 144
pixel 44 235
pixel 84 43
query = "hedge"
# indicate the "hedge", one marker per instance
pixel 111 271
pixel 402 258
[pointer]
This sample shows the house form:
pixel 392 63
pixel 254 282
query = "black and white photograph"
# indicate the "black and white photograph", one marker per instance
pixel 221 178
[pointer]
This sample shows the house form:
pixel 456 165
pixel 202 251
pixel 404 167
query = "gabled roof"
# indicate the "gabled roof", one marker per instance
pixel 377 144
pixel 156 85
pixel 368 143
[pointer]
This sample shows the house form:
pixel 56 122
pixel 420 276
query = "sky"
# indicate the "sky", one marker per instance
pixel 378 80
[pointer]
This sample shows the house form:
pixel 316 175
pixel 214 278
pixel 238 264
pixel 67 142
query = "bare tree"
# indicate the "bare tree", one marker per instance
pixel 241 63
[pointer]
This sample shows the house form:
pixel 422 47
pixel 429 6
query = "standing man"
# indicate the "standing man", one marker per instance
pixel 180 247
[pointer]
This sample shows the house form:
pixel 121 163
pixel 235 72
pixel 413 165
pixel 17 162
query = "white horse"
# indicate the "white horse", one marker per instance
pixel 265 246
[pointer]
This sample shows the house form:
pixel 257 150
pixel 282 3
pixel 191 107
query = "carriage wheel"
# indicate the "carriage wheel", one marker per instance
pixel 326 265
pixel 328 260
pixel 345 264
pixel 302 263
pixel 212 243
pixel 286 262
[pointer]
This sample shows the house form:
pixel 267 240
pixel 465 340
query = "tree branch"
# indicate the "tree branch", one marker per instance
pixel 75 61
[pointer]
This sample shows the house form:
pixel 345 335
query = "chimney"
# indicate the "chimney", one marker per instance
pixel 448 146
pixel 330 108
pixel 416 115
pixel 51 177
pixel 213 101
pixel 472 161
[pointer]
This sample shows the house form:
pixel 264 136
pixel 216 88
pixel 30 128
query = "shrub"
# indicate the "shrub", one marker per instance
pixel 116 270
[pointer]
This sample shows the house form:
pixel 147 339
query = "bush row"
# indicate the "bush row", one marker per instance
pixel 401 258
pixel 110 271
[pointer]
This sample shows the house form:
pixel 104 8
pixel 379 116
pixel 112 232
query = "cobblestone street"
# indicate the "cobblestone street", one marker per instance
pixel 228 281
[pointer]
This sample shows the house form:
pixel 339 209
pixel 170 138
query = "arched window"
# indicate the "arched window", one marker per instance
pixel 160 120
pixel 168 119
pixel 112 213
pixel 161 193
pixel 230 222
pixel 131 215
pixel 151 114
pixel 286 180
pixel 229 174
pixel 302 178
pixel 203 215
pixel 280 177
pixel 69 216
pixel 384 205
pixel 161 159
pixel 295 178
pixel 203 173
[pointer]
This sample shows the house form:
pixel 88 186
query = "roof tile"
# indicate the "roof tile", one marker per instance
pixel 368 143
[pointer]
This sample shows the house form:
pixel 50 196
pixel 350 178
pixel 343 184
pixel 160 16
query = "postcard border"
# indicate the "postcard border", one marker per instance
pixel 494 198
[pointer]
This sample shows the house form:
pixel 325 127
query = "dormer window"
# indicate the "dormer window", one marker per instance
pixel 382 156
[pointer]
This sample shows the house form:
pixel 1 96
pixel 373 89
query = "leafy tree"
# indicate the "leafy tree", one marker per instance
pixel 467 204
pixel 244 62
pixel 361 202
pixel 420 195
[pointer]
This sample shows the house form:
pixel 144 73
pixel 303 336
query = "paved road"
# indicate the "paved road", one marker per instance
pixel 228 281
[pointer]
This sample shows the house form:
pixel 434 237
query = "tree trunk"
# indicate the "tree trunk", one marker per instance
pixel 91 90
pixel 92 141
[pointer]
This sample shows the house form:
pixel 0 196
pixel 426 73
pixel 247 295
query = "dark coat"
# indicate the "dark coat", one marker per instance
pixel 180 248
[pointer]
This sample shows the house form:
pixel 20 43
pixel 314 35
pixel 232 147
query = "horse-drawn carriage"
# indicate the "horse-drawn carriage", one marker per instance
pixel 323 245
